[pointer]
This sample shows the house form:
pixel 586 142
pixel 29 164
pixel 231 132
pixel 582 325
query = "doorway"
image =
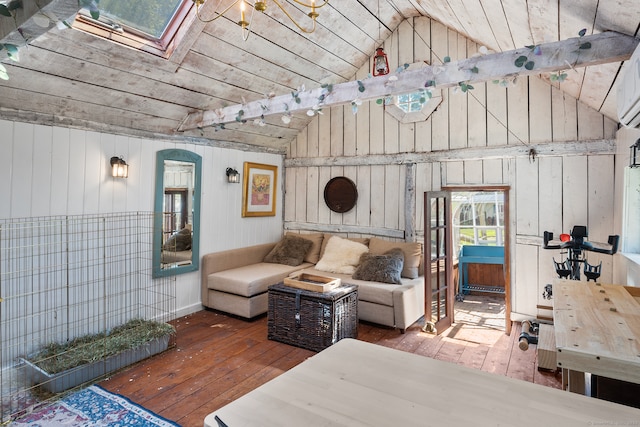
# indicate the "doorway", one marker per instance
pixel 480 219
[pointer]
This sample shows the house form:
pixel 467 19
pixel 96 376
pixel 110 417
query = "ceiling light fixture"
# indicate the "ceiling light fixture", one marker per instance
pixel 260 6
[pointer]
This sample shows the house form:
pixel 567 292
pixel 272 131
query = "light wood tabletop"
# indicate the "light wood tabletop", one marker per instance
pixel 355 383
pixel 597 328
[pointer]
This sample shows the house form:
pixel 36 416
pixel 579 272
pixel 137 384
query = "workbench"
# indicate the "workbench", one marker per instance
pixel 356 383
pixel 597 330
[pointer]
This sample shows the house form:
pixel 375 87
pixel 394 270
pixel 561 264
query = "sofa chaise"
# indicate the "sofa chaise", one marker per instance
pixel 389 275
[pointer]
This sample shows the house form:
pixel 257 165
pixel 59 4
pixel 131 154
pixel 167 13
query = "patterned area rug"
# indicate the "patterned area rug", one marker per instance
pixel 92 406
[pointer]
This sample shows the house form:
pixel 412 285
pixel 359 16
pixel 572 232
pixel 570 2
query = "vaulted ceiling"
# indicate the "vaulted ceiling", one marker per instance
pixel 70 78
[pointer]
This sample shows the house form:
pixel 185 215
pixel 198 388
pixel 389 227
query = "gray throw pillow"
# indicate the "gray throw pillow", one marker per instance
pixel 385 268
pixel 291 250
pixel 180 241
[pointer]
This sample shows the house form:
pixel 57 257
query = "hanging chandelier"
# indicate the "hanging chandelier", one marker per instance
pixel 260 6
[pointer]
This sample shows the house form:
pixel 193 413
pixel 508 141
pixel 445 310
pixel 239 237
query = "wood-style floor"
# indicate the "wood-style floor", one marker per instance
pixel 218 358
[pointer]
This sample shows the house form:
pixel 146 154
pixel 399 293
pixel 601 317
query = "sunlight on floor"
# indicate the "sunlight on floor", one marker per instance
pixel 479 319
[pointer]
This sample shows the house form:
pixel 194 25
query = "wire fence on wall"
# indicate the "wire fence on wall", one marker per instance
pixel 67 277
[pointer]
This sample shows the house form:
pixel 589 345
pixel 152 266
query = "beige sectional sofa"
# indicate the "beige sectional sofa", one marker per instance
pixel 236 281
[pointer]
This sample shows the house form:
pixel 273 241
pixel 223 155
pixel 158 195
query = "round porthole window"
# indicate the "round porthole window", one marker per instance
pixel 340 194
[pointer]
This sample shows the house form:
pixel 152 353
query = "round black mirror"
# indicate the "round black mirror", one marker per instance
pixel 340 194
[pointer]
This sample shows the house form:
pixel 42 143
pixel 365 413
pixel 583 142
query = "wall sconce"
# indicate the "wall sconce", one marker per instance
pixel 233 176
pixel 634 161
pixel 380 63
pixel 119 168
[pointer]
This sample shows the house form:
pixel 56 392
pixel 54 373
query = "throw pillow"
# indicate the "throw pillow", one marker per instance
pixel 412 254
pixel 383 268
pixel 180 241
pixel 341 256
pixel 291 250
pixel 314 253
pixel 327 237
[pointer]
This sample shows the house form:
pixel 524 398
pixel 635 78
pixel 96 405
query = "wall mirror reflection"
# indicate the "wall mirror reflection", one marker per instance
pixel 177 212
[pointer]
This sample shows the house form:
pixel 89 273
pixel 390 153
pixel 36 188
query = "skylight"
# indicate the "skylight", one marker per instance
pixel 148 25
pixel 151 17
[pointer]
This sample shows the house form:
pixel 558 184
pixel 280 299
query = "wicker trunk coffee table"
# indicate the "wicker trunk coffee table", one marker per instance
pixel 312 320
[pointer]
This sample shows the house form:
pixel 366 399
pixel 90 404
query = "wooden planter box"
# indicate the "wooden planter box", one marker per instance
pixel 56 383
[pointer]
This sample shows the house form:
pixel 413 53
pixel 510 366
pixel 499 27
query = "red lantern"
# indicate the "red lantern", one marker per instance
pixel 380 63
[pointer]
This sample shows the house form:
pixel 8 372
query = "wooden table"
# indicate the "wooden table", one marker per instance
pixel 355 383
pixel 597 330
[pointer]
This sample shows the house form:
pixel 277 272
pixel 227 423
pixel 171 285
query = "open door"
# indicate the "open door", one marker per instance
pixel 438 277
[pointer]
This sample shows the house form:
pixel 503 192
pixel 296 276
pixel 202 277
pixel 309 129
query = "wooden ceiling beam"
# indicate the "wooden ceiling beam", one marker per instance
pixel 548 57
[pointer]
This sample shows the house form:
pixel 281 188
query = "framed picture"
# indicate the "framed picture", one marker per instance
pixel 259 189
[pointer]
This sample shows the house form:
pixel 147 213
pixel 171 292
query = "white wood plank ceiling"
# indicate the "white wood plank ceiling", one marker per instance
pixel 70 78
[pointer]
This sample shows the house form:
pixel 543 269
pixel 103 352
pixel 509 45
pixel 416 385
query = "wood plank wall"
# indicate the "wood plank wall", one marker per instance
pixel 483 137
pixel 52 170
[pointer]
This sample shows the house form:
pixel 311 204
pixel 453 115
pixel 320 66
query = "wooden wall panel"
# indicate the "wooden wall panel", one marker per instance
pixel 314 190
pixel 365 196
pixel 313 137
pixel 324 214
pixel 290 190
pixel 60 157
pixel 548 192
pixel 526 197
pixel 540 116
pixel 21 168
pixel 492 172
pixel 497 129
pixel 564 110
pixel 551 198
pixel 6 167
pixel 518 112
pixel 600 209
pixel 440 117
pixel 574 192
pixel 49 171
pixel 377 196
pixel 338 124
pixel 472 172
pixel 477 116
pixel 301 194
pixel 350 217
pixel 590 123
pixel 525 287
pixel 41 167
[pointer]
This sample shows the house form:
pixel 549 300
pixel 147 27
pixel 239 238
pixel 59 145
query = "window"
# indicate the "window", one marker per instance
pixel 631 212
pixel 147 25
pixel 412 102
pixel 478 218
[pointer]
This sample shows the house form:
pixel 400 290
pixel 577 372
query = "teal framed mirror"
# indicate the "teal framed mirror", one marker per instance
pixel 176 229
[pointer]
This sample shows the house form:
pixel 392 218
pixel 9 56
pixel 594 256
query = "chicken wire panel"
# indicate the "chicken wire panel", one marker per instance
pixel 70 276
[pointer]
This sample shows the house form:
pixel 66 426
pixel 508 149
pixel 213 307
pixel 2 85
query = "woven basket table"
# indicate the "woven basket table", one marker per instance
pixel 312 320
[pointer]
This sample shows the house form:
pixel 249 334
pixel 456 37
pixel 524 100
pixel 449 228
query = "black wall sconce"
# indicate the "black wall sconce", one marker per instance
pixel 233 176
pixel 119 168
pixel 634 161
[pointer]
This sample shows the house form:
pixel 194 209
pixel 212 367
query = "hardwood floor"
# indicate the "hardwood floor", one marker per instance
pixel 218 358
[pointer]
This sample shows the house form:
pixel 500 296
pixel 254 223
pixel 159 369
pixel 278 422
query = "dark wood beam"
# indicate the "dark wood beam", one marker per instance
pixel 548 57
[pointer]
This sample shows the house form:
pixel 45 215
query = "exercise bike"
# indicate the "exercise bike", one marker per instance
pixel 576 247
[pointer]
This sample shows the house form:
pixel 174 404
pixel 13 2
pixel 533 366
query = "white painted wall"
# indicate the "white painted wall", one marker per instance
pixel 552 192
pixel 50 170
